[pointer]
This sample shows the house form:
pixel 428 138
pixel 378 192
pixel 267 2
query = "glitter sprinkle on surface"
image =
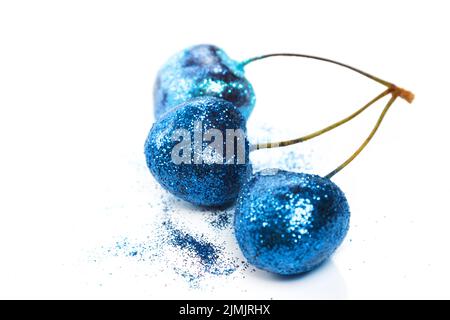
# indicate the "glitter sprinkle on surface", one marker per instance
pixel 195 254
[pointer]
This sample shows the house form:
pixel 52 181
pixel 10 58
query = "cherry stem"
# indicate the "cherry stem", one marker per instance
pixel 402 93
pixel 391 89
pixel 298 55
pixel 395 95
pixel 322 131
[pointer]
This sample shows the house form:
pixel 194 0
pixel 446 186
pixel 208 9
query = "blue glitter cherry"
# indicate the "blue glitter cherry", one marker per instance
pixel 289 223
pixel 214 180
pixel 202 70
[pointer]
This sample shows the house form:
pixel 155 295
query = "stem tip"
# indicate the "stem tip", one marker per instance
pixel 402 93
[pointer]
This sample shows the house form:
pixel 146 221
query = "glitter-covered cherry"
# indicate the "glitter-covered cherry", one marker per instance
pixel 202 70
pixel 199 151
pixel 289 223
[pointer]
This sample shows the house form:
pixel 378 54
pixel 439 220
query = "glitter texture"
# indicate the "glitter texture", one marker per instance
pixel 205 184
pixel 183 245
pixel 208 253
pixel 202 70
pixel 289 223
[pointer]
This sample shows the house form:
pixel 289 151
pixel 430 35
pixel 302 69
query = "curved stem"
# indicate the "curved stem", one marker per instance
pixel 322 131
pixel 381 81
pixel 364 144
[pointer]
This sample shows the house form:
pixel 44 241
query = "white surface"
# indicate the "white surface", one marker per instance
pixel 76 104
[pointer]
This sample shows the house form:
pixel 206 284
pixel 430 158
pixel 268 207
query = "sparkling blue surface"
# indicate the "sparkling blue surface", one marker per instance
pixel 204 250
pixel 202 70
pixel 201 184
pixel 289 223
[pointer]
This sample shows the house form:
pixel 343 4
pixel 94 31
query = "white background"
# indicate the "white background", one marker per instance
pixel 76 83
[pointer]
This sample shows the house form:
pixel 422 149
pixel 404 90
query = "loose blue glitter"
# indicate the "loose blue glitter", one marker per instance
pixel 289 223
pixel 222 220
pixel 177 248
pixel 202 70
pixel 206 251
pixel 211 257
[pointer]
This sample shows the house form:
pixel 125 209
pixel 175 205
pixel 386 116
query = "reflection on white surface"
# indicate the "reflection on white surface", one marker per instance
pixel 325 282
